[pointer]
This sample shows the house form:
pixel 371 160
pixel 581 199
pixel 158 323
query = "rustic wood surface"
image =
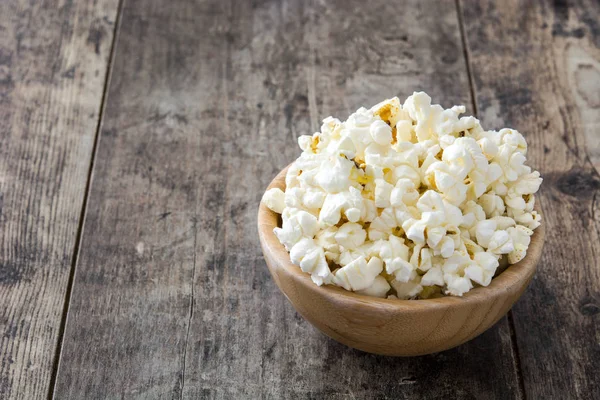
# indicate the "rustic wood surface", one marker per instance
pixel 53 61
pixel 171 296
pixel 151 264
pixel 548 86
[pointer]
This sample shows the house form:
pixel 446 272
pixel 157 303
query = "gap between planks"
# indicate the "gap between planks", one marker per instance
pixel 510 317
pixel 77 246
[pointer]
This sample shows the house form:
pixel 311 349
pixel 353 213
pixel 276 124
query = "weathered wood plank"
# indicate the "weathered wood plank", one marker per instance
pixel 53 60
pixel 536 67
pixel 171 296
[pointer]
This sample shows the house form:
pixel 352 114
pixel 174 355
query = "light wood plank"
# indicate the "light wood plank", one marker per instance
pixel 172 297
pixel 53 60
pixel 536 68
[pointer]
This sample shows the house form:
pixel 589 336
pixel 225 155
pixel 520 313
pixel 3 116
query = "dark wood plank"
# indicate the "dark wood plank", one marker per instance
pixel 171 296
pixel 53 60
pixel 536 67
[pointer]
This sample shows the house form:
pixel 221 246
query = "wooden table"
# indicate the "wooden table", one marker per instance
pixel 137 138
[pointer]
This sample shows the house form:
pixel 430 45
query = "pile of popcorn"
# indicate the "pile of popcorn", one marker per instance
pixel 407 201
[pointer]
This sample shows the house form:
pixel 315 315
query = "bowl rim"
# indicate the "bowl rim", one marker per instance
pixel 513 279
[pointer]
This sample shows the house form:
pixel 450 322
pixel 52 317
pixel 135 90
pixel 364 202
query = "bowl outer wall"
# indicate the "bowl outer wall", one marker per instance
pixel 392 326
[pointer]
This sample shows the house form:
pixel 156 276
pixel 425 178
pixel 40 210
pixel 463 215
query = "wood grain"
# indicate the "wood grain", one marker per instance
pixel 393 327
pixel 536 67
pixel 172 297
pixel 53 61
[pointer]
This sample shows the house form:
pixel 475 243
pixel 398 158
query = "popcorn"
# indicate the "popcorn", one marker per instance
pixel 334 174
pixel 407 201
pixel 408 290
pixel 313 199
pixel 434 276
pixel 351 235
pixel 449 181
pixel 492 204
pixel 381 132
pixel 457 285
pixel 404 131
pixel 359 274
pixel 274 199
pixel 482 269
pixel 379 288
pixel 311 259
pixel 484 230
pixel 395 255
pixel 500 243
pixel 296 225
pixel 383 192
pixel 404 193
pixel 350 202
pixel 521 236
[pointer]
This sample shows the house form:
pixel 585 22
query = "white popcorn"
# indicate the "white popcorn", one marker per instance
pixel 404 193
pixel 488 148
pixel 296 225
pixel 501 243
pixel 304 142
pixel 404 131
pixel 457 285
pixel 383 192
pixel 469 247
pixel 513 138
pixel 311 259
pixel 408 172
pixel 449 181
pixel 346 257
pixel 483 269
pixel 503 223
pixel 511 161
pixel 492 204
pixel 350 202
pixel 472 213
pixel 407 290
pixel 421 259
pixel 446 247
pixel 344 147
pixel 275 200
pixel 526 184
pixel 379 288
pixel 407 201
pixel 351 235
pixel 293 197
pixel 359 274
pixel 381 132
pixel 383 224
pixel 394 253
pixel 313 199
pixel 334 175
pixel 434 276
pixel 458 157
pixel 484 230
pixel 326 239
pixel 521 236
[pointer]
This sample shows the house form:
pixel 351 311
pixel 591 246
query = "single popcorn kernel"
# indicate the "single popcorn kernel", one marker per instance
pixel 407 201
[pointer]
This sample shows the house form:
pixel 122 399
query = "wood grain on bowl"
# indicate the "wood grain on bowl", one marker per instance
pixel 394 327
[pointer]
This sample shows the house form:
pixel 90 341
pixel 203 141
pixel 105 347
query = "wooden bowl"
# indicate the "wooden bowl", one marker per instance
pixel 394 327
